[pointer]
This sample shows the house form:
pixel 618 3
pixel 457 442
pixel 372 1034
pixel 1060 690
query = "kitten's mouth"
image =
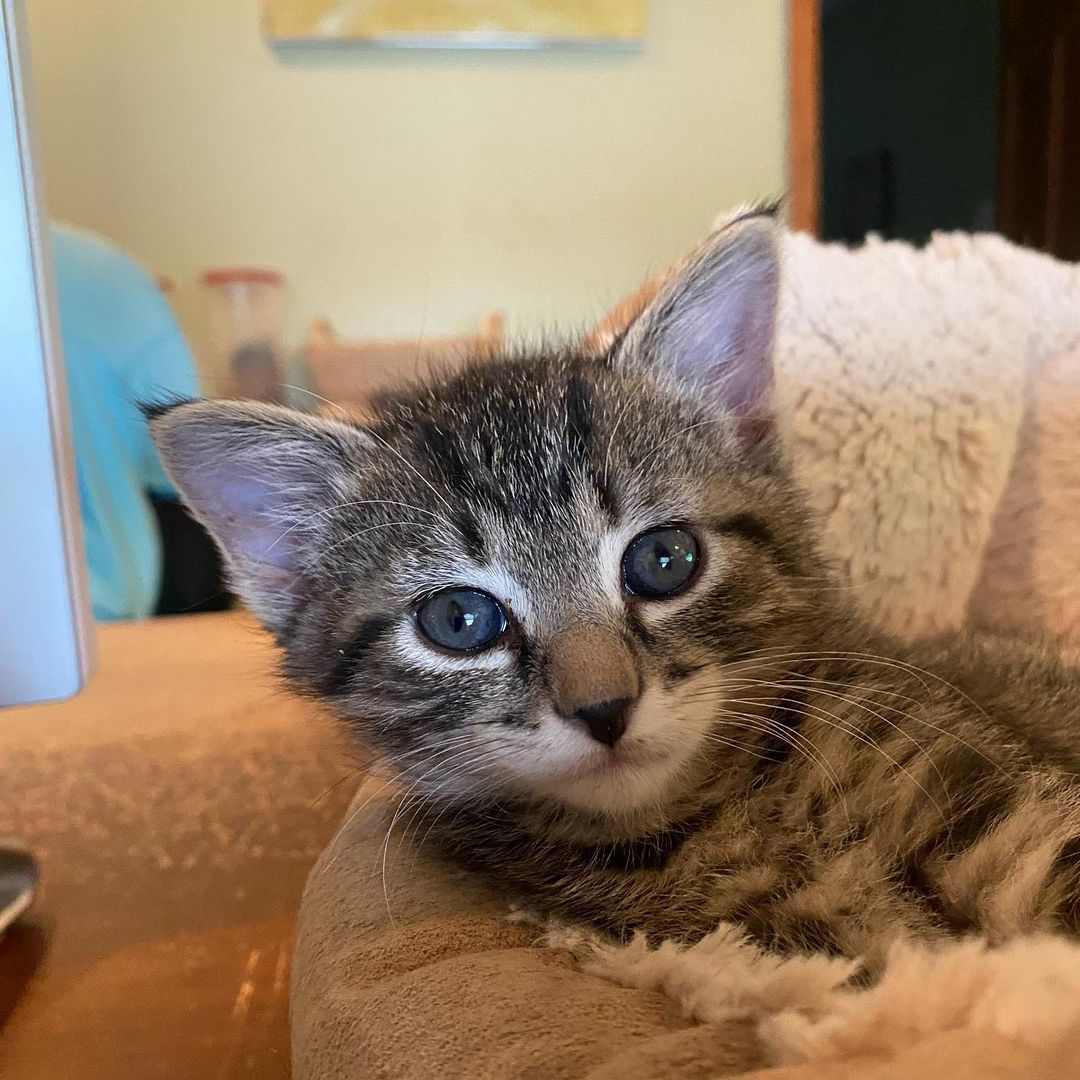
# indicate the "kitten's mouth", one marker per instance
pixel 610 761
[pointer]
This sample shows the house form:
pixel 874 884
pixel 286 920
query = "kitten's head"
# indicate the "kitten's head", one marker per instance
pixel 530 578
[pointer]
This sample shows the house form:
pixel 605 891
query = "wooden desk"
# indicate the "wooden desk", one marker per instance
pixel 176 807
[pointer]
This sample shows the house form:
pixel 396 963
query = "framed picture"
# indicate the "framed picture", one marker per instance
pixel 457 24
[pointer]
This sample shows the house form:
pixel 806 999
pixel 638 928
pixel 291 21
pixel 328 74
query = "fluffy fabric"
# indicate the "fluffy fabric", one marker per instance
pixel 406 970
pixel 900 379
pixel 720 978
pixel 931 399
pixel 1027 990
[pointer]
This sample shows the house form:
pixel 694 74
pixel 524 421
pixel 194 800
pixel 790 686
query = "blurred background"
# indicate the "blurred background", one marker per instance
pixel 405 192
pixel 330 193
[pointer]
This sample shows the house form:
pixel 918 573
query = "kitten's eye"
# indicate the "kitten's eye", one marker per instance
pixel 660 563
pixel 463 620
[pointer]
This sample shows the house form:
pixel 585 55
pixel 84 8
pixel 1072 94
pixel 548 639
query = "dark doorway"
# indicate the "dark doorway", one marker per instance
pixel 909 116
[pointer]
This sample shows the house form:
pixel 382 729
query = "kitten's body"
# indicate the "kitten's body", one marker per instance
pixel 893 804
pixel 780 766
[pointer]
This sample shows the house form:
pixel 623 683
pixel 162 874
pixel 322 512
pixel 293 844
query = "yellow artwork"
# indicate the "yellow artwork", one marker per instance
pixel 457 23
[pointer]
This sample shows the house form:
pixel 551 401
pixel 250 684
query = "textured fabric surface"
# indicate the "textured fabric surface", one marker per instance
pixel 900 379
pixel 930 400
pixel 405 968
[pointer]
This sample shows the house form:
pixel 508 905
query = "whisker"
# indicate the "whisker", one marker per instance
pixel 336 784
pixel 363 532
pixel 860 703
pixel 833 720
pixel 351 504
pixel 794 656
pixel 884 661
pixel 318 397
pixel 446 768
pixel 798 741
pixel 490 754
pixel 375 794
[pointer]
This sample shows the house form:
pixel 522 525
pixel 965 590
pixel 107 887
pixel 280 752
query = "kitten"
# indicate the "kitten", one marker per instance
pixel 575 600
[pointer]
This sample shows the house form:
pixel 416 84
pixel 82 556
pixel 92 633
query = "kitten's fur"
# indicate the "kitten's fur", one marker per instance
pixel 784 767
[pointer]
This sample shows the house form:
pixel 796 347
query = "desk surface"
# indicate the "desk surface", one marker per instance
pixel 176 807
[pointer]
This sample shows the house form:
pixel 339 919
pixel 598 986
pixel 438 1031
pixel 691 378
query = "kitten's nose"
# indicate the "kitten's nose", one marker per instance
pixel 606 720
pixel 594 680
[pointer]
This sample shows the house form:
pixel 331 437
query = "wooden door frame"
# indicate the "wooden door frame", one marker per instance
pixel 804 115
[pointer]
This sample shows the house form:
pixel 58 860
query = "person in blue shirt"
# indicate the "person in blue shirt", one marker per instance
pixel 122 347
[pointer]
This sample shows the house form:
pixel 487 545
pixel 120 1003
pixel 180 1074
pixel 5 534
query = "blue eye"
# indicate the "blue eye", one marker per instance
pixel 660 563
pixel 463 620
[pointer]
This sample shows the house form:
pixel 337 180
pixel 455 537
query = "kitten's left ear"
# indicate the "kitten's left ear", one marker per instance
pixel 710 327
pixel 261 479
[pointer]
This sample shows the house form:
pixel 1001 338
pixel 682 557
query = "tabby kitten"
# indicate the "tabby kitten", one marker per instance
pixel 575 600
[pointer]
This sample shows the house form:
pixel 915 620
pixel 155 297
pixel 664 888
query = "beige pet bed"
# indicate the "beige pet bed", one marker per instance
pixel 932 404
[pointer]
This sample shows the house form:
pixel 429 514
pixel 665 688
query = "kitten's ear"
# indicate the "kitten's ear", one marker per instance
pixel 710 326
pixel 260 478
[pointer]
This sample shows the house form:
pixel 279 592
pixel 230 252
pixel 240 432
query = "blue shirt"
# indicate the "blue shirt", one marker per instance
pixel 122 346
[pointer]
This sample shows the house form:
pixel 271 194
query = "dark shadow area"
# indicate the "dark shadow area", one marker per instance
pixel 23 950
pixel 192 577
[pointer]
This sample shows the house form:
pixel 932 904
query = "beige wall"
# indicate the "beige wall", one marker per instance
pixel 406 192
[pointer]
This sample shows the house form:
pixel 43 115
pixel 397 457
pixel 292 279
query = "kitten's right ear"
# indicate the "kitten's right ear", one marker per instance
pixel 260 478
pixel 709 329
